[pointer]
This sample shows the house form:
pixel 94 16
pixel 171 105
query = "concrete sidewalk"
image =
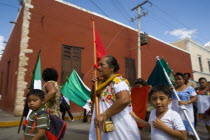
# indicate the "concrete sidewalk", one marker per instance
pixel 9 120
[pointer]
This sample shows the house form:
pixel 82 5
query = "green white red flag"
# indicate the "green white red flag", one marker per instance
pixel 36 82
pixel 76 91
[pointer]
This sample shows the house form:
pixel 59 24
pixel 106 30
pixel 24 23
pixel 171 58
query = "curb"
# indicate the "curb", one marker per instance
pixel 17 123
pixel 9 124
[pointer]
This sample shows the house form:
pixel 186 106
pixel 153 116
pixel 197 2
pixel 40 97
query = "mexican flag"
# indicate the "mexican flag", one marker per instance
pixel 36 82
pixel 76 91
pixel 169 71
pixel 157 76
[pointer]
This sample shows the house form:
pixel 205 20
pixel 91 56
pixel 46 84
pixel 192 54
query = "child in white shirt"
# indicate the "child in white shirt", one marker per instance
pixel 164 122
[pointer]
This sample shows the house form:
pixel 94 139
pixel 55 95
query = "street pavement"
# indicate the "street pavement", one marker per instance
pixel 77 130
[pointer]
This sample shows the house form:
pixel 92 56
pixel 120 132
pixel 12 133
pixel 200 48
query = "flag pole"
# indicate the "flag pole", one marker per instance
pixel 25 102
pixel 21 120
pixel 183 108
pixel 98 133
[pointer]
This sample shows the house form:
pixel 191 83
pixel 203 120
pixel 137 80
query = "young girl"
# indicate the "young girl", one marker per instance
pixel 35 99
pixel 164 123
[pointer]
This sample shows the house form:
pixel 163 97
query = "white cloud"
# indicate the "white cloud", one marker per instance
pixel 1 43
pixel 182 33
pixel 207 44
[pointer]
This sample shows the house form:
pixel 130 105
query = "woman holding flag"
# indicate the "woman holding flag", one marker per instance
pixel 187 96
pixel 114 102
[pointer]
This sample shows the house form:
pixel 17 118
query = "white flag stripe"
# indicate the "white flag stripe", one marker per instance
pixel 82 81
pixel 37 84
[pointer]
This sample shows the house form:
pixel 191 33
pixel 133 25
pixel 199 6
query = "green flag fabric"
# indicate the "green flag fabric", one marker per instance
pixel 169 71
pixel 76 91
pixel 36 82
pixel 157 76
pixel 166 66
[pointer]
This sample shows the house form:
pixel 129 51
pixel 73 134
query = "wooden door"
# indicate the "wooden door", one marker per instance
pixel 71 59
pixel 130 70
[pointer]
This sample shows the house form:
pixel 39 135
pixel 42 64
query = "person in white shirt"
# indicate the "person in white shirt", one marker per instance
pixel 165 123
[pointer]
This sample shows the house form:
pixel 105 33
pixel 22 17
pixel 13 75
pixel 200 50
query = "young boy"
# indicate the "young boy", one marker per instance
pixel 164 122
pixel 35 100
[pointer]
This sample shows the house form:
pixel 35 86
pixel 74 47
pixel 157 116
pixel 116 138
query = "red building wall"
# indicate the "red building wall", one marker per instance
pixel 11 54
pixel 54 24
pixel 50 29
pixel 178 60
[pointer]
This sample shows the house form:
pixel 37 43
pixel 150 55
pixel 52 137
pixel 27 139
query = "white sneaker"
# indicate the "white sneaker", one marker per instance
pixel 72 120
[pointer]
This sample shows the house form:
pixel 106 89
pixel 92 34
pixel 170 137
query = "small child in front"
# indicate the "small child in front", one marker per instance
pixel 35 100
pixel 164 122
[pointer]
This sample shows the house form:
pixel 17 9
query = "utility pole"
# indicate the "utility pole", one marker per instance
pixel 139 35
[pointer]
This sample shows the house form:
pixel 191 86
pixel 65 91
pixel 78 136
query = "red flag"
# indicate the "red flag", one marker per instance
pixel 139 98
pixel 100 51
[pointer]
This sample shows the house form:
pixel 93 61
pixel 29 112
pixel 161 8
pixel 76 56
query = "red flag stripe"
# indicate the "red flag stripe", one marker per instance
pixel 100 51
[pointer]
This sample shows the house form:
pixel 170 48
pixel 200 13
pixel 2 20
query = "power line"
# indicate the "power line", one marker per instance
pixel 178 21
pixel 122 10
pixel 170 16
pixel 99 8
pixel 172 26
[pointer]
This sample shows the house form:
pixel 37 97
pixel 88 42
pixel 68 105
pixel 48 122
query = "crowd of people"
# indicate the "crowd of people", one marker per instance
pixel 166 118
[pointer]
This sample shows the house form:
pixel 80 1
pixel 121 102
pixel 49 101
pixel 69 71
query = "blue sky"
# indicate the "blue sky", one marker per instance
pixel 168 20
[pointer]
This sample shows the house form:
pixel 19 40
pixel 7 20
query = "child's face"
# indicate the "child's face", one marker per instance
pixel 160 101
pixel 34 102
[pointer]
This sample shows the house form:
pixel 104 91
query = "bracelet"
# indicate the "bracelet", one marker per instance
pixel 189 102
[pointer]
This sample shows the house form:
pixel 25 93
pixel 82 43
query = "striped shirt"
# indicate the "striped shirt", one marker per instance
pixel 42 122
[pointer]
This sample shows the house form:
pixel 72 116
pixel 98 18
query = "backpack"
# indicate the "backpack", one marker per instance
pixel 57 126
pixel 63 105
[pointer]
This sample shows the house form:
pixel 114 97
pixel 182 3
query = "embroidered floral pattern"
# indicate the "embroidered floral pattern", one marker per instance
pixel 108 94
pixel 109 97
pixel 116 80
pixel 203 92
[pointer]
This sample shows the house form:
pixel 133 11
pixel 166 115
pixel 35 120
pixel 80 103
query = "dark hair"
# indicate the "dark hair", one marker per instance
pixel 188 74
pixel 180 74
pixel 36 92
pixel 160 88
pixel 202 78
pixel 50 74
pixel 112 62
pixel 141 81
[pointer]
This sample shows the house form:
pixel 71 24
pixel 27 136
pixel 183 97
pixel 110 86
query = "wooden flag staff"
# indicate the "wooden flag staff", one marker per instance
pixel 98 133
